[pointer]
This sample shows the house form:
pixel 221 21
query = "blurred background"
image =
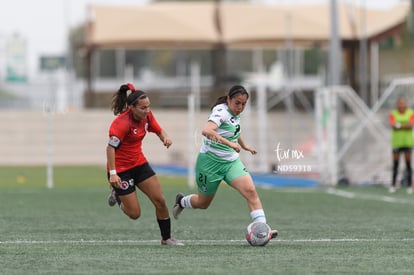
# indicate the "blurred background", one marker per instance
pixel 323 76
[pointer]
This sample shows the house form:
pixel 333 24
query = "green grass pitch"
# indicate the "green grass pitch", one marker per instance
pixel 70 229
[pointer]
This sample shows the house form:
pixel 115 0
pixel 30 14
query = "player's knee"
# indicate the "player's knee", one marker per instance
pixel 203 205
pixel 160 203
pixel 133 214
pixel 250 192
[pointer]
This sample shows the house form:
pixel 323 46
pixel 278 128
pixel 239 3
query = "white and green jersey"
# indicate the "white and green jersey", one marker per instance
pixel 228 127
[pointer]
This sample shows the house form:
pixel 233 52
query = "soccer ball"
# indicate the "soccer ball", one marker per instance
pixel 258 234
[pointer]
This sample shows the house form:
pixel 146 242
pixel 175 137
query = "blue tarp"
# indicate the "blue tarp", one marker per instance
pixel 271 180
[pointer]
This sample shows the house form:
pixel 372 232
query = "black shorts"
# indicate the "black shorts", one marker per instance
pixel 401 150
pixel 132 177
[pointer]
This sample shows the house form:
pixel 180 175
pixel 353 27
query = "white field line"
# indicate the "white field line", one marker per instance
pixel 193 242
pixel 351 195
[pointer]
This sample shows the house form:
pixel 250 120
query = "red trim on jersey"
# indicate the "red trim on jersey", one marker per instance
pixel 131 132
pixel 392 119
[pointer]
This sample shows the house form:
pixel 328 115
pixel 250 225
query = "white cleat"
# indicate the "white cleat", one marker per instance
pixel 171 241
pixel 177 208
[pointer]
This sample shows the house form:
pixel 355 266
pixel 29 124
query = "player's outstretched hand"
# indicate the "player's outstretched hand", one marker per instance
pixel 167 142
pixel 251 150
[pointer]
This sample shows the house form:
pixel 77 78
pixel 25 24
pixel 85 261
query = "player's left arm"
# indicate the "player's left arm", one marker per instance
pixel 409 124
pixel 245 146
pixel 164 138
pixel 154 126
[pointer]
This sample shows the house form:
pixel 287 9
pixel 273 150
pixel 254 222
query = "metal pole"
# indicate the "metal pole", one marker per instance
pixel 320 130
pixel 68 102
pixel 195 84
pixel 262 125
pixel 374 73
pixel 49 147
pixel 191 141
pixel 335 56
pixel 335 107
pixel 363 56
pixel 247 124
pixel 193 106
pixel 332 137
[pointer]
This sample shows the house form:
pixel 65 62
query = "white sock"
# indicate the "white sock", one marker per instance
pixel 186 201
pixel 258 215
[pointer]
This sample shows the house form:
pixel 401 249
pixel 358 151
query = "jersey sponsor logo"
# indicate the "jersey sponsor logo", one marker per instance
pixel 114 141
pixel 135 131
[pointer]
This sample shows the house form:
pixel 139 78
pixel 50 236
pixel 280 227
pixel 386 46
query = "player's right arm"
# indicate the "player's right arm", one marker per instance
pixel 393 122
pixel 114 179
pixel 209 131
pixel 245 146
pixel 117 132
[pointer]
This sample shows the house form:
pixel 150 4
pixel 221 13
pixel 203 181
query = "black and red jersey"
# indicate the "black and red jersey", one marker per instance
pixel 126 135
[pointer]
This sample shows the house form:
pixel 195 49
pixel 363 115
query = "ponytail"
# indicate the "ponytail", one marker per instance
pixel 234 90
pixel 220 100
pixel 122 99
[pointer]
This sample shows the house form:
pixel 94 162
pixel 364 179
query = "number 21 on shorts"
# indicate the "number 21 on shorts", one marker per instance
pixel 202 181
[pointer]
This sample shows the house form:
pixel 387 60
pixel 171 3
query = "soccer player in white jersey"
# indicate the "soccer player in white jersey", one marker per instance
pixel 218 159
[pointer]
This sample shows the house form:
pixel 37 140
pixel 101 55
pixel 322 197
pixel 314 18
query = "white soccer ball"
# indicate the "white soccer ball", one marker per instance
pixel 258 234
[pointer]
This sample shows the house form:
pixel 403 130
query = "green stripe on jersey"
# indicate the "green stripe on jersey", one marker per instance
pixel 228 127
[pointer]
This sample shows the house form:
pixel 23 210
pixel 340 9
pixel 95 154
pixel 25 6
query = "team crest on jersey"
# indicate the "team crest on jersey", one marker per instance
pixel 114 141
pixel 125 184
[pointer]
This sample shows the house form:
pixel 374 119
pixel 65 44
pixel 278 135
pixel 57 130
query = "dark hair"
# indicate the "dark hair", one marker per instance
pixel 234 90
pixel 121 100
